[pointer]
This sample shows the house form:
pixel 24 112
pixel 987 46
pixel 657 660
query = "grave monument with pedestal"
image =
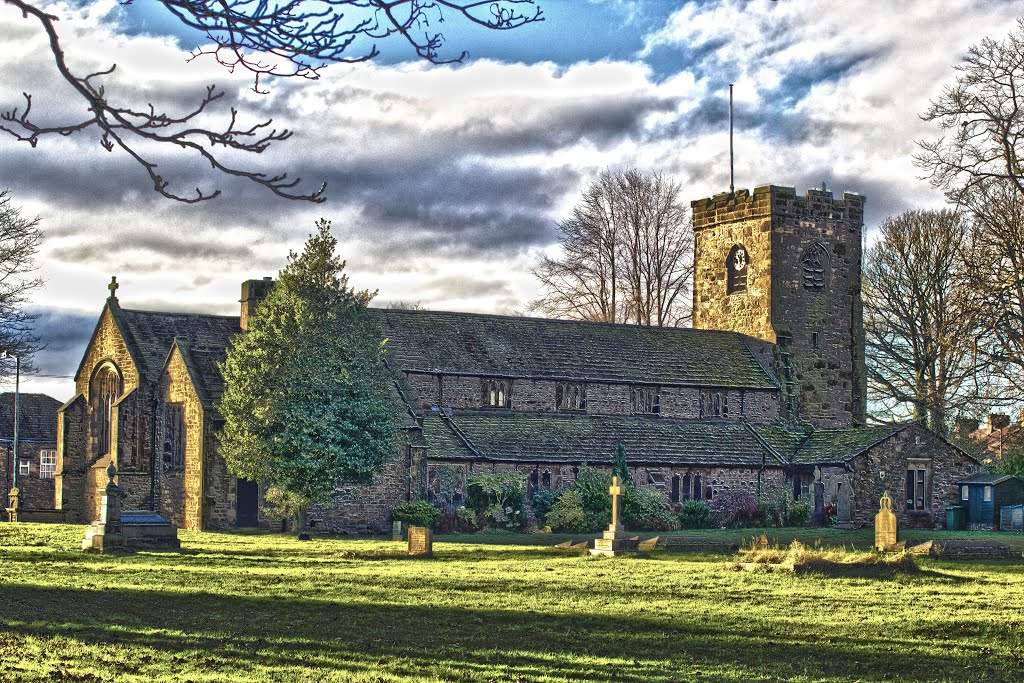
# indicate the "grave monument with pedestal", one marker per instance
pixel 134 529
pixel 885 524
pixel 615 542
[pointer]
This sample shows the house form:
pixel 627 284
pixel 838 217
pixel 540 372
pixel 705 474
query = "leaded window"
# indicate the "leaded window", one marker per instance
pixel 497 393
pixel 174 436
pixel 571 396
pixel 713 404
pixel 646 400
pixel 103 392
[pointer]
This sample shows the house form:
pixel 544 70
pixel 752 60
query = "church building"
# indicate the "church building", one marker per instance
pixel 766 392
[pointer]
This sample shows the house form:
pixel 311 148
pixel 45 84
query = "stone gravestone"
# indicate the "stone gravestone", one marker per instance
pixel 615 542
pixel 844 506
pixel 885 524
pixel 421 542
pixel 396 531
pixel 104 534
pixel 819 518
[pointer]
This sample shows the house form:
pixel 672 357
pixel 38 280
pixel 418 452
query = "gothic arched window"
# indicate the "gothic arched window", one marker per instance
pixel 814 262
pixel 736 266
pixel 104 389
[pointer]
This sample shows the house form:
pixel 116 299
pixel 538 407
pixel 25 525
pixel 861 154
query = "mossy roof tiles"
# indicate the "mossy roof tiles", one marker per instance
pixel 476 344
pixel 839 445
pixel 548 437
pixel 37 418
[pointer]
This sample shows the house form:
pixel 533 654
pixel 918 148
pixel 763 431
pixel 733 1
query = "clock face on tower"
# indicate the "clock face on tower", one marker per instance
pixel 740 259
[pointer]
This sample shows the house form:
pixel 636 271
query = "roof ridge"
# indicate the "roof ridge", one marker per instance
pixel 179 313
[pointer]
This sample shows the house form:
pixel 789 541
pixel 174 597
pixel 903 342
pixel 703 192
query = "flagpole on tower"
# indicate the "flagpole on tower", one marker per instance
pixel 732 177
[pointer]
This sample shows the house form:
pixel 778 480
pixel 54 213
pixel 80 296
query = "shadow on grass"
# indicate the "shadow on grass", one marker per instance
pixel 196 632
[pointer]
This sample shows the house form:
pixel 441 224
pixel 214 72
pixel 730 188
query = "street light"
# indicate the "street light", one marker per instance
pixel 17 401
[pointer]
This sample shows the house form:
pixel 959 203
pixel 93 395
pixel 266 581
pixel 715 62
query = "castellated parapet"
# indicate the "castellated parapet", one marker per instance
pixel 787 269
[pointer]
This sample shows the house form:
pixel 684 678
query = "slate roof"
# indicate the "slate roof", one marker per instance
pixel 548 437
pixel 540 348
pixel 825 445
pixel 153 333
pixel 37 415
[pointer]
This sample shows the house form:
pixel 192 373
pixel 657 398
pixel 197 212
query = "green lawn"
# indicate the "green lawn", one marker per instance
pixel 251 607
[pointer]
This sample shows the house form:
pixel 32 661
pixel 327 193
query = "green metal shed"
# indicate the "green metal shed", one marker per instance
pixel 983 494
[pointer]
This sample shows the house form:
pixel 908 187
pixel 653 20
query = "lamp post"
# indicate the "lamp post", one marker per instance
pixel 17 402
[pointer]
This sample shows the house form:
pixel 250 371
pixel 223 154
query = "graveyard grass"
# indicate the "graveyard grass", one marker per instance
pixel 255 607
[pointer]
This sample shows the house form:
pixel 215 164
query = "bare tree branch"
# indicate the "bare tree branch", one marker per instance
pixel 293 38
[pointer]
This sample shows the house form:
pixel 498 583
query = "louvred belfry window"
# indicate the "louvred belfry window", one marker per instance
pixel 814 262
pixel 736 267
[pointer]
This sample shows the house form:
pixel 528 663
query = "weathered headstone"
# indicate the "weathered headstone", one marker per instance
pixel 396 531
pixel 421 542
pixel 615 542
pixel 819 518
pixel 104 534
pixel 885 524
pixel 844 506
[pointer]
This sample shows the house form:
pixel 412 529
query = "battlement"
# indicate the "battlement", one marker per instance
pixel 777 200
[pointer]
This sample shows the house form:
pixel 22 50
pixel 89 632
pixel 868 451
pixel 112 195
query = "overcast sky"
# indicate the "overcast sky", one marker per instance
pixel 445 183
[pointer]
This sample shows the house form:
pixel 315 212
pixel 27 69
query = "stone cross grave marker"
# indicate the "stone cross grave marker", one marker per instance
pixel 885 524
pixel 421 542
pixel 616 491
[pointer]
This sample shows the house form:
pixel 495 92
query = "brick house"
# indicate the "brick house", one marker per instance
pixel 768 389
pixel 36 462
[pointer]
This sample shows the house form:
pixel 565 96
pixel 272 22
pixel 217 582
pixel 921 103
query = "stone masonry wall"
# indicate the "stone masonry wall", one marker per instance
pixel 367 509
pixel 529 395
pixel 182 490
pixel 884 468
pixel 35 492
pixel 818 330
pixel 72 456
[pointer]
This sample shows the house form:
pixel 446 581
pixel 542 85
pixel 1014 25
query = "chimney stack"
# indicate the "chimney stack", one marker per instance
pixel 253 292
pixel 966 425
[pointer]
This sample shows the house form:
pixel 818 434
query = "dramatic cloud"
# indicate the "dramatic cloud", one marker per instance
pixel 445 183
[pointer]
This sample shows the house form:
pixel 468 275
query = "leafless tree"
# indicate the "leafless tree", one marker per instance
pixel 919 321
pixel 19 241
pixel 982 116
pixel 289 38
pixel 627 254
pixel 996 276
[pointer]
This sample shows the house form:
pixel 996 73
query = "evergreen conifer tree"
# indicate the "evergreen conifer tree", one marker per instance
pixel 306 405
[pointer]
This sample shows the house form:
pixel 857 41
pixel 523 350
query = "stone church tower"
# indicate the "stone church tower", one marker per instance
pixel 787 270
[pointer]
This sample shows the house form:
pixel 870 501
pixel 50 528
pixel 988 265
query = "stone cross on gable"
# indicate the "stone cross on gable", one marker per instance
pixel 616 491
pixel 113 286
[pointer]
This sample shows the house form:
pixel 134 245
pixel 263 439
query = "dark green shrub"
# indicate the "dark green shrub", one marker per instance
pixel 567 515
pixel 542 501
pixel 779 509
pixel 645 508
pixel 498 499
pixel 419 513
pixel 695 514
pixel 593 486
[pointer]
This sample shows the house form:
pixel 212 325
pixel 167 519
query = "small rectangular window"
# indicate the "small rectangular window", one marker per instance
pixel 24 468
pixel 919 486
pixel 47 464
pixel 965 493
pixel 814 339
pixel 988 493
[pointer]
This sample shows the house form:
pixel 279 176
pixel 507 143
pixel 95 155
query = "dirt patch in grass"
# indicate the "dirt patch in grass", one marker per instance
pixel 760 553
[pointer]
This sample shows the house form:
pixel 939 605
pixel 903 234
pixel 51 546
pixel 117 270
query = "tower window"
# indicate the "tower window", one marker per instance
pixel 497 393
pixel 814 262
pixel 736 269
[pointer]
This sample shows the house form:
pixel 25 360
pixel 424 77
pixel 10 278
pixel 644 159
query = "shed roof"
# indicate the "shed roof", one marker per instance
pixel 989 479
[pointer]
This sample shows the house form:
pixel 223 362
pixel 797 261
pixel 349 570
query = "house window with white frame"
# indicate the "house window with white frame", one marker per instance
pixel 24 468
pixel 47 464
